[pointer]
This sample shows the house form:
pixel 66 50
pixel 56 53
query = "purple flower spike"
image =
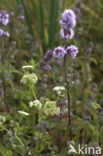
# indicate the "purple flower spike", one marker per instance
pixel 59 52
pixel 48 56
pixel 4 18
pixel 47 67
pixel 66 33
pixel 68 19
pixel 67 14
pixel 77 10
pixel 21 9
pixel 72 51
pixel 78 4
pixel 42 64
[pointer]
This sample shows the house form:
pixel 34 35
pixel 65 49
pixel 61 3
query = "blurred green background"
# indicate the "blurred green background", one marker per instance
pixel 29 41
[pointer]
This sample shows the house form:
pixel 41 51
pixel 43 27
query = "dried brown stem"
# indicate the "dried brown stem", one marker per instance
pixel 68 96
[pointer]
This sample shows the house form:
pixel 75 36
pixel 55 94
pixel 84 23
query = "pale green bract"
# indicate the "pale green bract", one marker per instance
pixel 2 119
pixel 50 108
pixel 29 78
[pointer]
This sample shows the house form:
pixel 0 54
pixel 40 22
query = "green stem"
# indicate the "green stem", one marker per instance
pixel 34 93
pixel 19 140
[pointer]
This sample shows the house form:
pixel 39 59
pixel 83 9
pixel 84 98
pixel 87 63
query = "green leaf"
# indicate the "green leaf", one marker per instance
pixel 41 12
pixel 9 153
pixel 3 150
pixel 95 105
pixel 55 8
pixel 28 19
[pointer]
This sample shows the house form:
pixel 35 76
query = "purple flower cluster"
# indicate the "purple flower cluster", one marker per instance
pixel 48 56
pixel 2 32
pixel 78 4
pixel 21 10
pixel 59 52
pixel 67 22
pixel 78 11
pixel 46 59
pixel 4 20
pixel 72 51
pixel 66 33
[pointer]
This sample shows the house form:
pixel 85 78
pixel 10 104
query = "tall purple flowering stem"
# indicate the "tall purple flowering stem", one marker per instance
pixel 3 77
pixel 68 96
pixel 67 23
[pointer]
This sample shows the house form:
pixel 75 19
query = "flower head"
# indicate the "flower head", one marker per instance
pixel 27 66
pixel 29 78
pixel 72 51
pixel 59 89
pixel 77 10
pixel 47 67
pixel 48 56
pixel 78 4
pixel 66 33
pixel 2 119
pixel 4 18
pixel 36 103
pixel 59 52
pixel 42 64
pixel 67 14
pixel 2 32
pixel 21 9
pixel 68 19
pixel 24 113
pixel 50 108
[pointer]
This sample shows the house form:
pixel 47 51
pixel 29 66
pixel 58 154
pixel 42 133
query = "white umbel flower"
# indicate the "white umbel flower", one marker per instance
pixel 24 113
pixel 36 103
pixel 27 66
pixel 59 89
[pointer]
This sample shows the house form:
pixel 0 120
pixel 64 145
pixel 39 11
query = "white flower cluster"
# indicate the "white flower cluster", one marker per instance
pixel 24 113
pixel 29 78
pixel 59 89
pixel 36 103
pixel 27 66
pixel 50 108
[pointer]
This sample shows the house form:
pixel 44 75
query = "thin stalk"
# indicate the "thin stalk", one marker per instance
pixel 3 76
pixel 68 96
pixel 30 147
pixel 19 140
pixel 34 94
pixel 59 142
pixel 100 140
